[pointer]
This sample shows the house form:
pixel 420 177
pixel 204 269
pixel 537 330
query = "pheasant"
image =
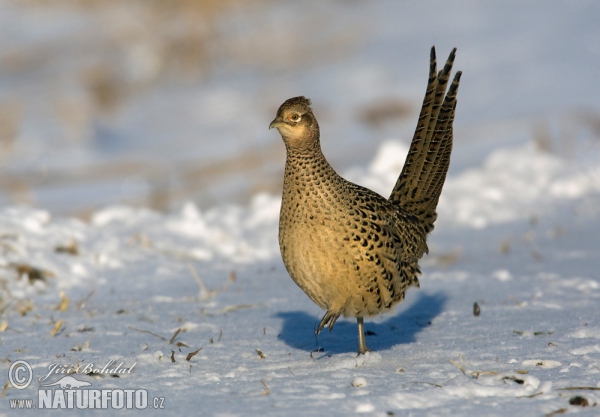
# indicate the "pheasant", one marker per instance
pixel 351 250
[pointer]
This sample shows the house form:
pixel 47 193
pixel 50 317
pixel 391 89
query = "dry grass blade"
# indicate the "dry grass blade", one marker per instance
pixel 173 356
pixel 259 352
pixel 530 396
pixel 237 307
pixel 24 306
pixel 192 354
pixel 82 303
pixel 267 390
pixel 64 302
pixel 71 249
pixel 147 331
pixel 474 374
pixel 174 336
pixel 477 374
pixel 578 388
pixel 446 260
pixel 56 328
pixel 427 383
pixel 459 365
pixel 204 293
pixel 32 273
pixel 559 411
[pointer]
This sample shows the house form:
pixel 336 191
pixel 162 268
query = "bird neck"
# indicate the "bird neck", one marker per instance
pixel 303 147
pixel 305 155
pixel 304 167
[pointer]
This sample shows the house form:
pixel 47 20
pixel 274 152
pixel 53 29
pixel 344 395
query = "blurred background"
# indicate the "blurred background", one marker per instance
pixel 156 102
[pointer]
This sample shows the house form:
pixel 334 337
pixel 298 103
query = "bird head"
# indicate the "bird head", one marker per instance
pixel 296 123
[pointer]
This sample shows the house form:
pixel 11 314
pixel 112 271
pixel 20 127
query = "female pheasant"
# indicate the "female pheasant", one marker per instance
pixel 352 251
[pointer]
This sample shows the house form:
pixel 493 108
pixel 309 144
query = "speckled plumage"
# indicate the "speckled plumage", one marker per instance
pixel 352 251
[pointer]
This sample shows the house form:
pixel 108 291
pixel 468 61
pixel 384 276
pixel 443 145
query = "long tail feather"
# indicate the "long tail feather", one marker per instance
pixel 419 186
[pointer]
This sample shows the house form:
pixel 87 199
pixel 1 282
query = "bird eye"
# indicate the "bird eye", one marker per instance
pixel 295 117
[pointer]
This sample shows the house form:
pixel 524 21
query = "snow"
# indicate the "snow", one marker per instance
pixel 536 284
pixel 198 300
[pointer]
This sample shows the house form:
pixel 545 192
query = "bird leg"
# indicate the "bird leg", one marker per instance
pixel 362 344
pixel 328 320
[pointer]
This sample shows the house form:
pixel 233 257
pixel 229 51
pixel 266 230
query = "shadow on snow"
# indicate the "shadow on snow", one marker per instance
pixel 299 328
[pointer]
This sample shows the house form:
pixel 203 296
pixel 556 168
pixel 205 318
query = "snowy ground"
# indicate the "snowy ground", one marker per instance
pixel 517 233
pixel 529 261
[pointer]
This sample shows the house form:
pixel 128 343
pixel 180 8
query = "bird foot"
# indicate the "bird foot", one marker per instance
pixel 328 320
pixel 363 351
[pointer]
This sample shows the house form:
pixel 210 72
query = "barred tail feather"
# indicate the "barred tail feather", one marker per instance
pixel 419 186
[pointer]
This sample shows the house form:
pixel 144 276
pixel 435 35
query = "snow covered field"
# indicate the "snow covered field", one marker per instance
pixel 517 233
pixel 120 287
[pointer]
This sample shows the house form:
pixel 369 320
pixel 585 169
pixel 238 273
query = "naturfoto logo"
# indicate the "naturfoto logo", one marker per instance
pixel 70 392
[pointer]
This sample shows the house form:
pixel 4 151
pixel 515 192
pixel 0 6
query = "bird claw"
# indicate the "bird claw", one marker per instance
pixel 328 320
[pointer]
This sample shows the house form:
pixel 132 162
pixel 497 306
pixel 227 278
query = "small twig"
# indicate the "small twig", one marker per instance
pixel 530 396
pixel 56 328
pixel 72 248
pixel 262 355
pixel 559 411
pixel 5 307
pixel 81 304
pixel 5 389
pixel 459 365
pixel 204 293
pixel 267 390
pixel 236 307
pixel 197 278
pixel 578 388
pixel 192 354
pixel 172 355
pixel 147 331
pixel 477 374
pixel 64 302
pixel 428 383
pixel 33 273
pixel 174 336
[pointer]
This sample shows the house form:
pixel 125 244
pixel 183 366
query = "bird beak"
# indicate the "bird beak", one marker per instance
pixel 276 123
